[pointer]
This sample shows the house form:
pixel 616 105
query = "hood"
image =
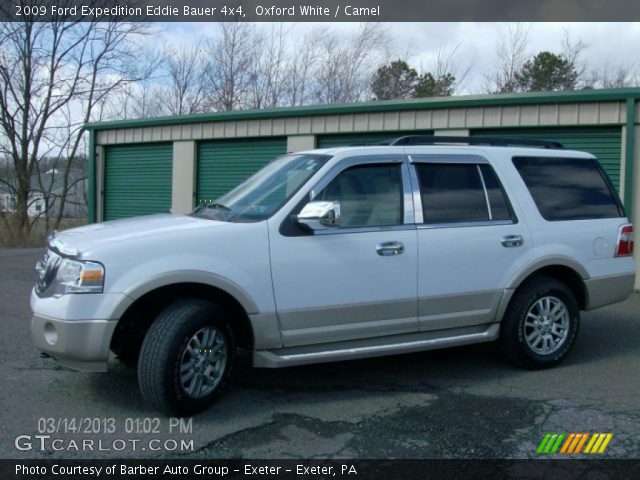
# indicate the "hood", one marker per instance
pixel 78 240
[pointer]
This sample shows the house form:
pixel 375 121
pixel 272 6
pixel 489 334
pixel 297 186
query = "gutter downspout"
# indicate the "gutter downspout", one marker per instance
pixel 91 190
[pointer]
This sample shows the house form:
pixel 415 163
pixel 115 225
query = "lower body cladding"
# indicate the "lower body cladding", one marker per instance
pixel 81 345
pixel 603 291
pixel 84 344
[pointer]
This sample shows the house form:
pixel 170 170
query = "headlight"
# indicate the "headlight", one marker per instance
pixel 76 276
pixel 59 275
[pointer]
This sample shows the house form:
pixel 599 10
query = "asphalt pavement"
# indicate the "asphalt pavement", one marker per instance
pixel 457 403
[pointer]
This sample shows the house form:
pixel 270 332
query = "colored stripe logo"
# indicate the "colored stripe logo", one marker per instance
pixel 574 443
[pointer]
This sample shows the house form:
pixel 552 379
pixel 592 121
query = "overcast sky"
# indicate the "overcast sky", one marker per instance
pixel 607 42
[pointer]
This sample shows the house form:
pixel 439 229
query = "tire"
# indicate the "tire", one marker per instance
pixel 186 358
pixel 541 324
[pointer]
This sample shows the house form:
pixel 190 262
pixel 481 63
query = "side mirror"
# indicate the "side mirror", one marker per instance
pixel 320 215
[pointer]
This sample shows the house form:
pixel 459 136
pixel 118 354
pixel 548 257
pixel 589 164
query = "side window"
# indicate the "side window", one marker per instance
pixel 568 188
pixel 461 193
pixel 498 201
pixel 369 195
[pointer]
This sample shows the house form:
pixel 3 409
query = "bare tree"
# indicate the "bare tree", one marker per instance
pixel 142 99
pixel 346 63
pixel 267 71
pixel 612 75
pixel 446 64
pixel 183 91
pixel 52 75
pixel 299 73
pixel 230 56
pixel 511 53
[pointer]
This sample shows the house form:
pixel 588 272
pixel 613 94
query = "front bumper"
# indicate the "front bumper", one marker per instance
pixel 82 345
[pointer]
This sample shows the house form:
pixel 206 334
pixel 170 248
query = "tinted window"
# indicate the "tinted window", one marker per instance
pixel 452 193
pixel 500 206
pixel 369 196
pixel 568 188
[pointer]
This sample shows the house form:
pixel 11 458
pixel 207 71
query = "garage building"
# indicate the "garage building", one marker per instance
pixel 171 164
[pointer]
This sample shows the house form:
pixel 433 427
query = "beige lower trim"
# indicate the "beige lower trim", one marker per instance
pixel 346 314
pixel 458 310
pixel 344 322
pixel 82 345
pixel 603 291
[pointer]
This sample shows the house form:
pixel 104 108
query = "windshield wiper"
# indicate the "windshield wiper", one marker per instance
pixel 218 206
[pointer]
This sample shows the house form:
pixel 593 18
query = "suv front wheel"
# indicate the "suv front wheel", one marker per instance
pixel 541 324
pixel 186 357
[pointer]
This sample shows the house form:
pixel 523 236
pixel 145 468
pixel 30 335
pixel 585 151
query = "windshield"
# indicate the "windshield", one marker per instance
pixel 262 194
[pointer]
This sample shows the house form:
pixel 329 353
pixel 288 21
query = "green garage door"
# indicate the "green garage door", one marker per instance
pixel 137 180
pixel 224 164
pixel 343 140
pixel 603 142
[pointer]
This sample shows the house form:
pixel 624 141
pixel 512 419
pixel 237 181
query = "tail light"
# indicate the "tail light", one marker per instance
pixel 624 248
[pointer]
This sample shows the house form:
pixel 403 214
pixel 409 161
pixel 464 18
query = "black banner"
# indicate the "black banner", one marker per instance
pixel 322 10
pixel 565 469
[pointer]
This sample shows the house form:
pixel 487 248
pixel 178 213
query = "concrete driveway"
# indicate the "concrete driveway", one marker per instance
pixel 457 403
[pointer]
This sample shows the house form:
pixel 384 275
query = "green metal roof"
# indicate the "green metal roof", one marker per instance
pixel 382 106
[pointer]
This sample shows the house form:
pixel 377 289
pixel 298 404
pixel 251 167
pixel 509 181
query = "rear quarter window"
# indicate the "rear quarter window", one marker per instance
pixel 569 188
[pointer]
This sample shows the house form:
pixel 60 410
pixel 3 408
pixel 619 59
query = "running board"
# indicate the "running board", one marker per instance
pixel 288 357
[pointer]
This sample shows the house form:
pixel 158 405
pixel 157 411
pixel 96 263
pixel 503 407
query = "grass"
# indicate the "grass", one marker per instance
pixel 9 239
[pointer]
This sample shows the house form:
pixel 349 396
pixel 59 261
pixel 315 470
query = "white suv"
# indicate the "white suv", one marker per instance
pixel 343 253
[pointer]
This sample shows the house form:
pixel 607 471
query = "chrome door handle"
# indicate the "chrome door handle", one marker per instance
pixel 389 248
pixel 509 241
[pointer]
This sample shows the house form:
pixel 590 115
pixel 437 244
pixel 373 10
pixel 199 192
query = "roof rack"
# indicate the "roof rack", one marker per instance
pixel 487 141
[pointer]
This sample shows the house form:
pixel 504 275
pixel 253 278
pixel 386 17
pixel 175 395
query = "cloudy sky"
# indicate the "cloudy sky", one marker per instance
pixel 615 43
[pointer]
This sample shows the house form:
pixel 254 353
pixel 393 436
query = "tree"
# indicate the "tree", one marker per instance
pixel 396 80
pixel 267 87
pixel 228 70
pixel 511 53
pixel 345 64
pixel 183 91
pixel 52 76
pixel 547 72
pixel 299 74
pixel 430 86
pixel 448 72
pixel 612 75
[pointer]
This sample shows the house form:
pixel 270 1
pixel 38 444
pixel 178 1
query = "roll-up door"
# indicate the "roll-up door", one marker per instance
pixel 137 180
pixel 223 164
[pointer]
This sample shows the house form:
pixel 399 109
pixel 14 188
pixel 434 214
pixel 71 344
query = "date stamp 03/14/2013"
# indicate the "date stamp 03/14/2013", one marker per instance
pixel 108 434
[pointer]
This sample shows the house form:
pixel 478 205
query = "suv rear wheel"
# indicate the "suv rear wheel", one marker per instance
pixel 541 324
pixel 186 357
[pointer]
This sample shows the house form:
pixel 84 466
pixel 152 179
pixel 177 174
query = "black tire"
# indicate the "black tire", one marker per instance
pixel 164 349
pixel 513 330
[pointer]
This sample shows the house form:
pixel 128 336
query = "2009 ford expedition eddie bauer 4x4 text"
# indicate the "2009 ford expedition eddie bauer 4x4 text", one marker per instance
pixel 343 253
